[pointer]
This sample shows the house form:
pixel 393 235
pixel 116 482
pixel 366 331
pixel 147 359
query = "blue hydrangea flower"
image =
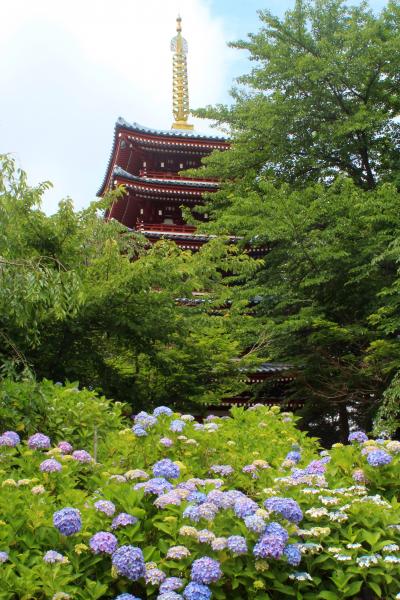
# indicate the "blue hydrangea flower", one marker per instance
pixel 292 554
pixel 237 544
pixel 39 441
pixel 51 465
pixel 162 410
pixel 287 507
pixel 198 497
pixel 255 523
pixel 245 507
pixel 192 512
pixel 378 458
pixel 103 542
pixel 156 485
pixel 269 546
pixel 139 431
pixel 274 528
pixel 127 596
pixel 357 436
pixel 123 520
pixel 166 468
pixel 293 455
pixel 129 561
pixel 177 426
pixel 196 591
pixel 169 596
pixel 67 520
pixel 3 557
pixel 105 506
pixel 205 570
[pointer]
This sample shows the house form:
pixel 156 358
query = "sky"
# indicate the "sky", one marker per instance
pixel 70 68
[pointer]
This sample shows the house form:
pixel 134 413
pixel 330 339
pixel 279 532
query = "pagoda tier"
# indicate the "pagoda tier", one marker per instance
pixel 148 162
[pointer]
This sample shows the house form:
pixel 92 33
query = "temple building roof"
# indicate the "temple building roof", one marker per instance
pixel 166 182
pixel 178 133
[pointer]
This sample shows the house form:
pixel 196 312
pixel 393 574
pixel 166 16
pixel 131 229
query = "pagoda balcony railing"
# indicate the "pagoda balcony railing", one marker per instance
pixel 165 227
pixel 172 175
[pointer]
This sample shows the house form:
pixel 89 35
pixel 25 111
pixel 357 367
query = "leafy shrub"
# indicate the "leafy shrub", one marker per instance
pixel 60 411
pixel 239 507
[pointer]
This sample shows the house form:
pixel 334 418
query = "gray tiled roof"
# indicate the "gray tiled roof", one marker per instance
pixel 169 132
pixel 268 367
pixel 181 182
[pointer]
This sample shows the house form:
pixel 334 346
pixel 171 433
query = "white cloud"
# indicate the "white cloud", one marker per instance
pixel 70 68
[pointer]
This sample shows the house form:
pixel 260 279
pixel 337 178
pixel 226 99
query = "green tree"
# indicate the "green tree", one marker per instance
pixel 321 99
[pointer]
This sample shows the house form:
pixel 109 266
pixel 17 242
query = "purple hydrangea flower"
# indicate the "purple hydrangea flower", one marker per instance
pixel 65 447
pixel 198 497
pixel 154 576
pixel 237 544
pixel 245 507
pixel 129 561
pixel 269 546
pixel 316 467
pixel 53 557
pixel 103 541
pixel 171 584
pixel 192 512
pixel 169 596
pixel 205 570
pixel 157 485
pixel 123 520
pixel 177 426
pixel 82 456
pixel 196 591
pixel 166 468
pixel 51 465
pixel 223 470
pixel 359 476
pixel 105 506
pixel 358 436
pixel 162 410
pixel 39 441
pixel 287 507
pixel 3 557
pixel 292 554
pixel 378 458
pixel 67 520
pixel 10 438
pixel 207 510
pixel 274 528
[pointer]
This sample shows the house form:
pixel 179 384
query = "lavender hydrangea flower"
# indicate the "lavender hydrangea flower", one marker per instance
pixel 154 576
pixel 255 523
pixel 269 546
pixel 358 436
pixel 293 455
pixel 129 562
pixel 169 596
pixel 223 470
pixel 157 485
pixel 162 410
pixel 206 570
pixel 287 507
pixel 67 520
pixel 10 439
pixel 105 506
pixel 65 447
pixel 39 441
pixel 3 557
pixel 196 591
pixel 378 458
pixel 166 442
pixel 274 528
pixel 103 542
pixel 171 584
pixel 52 556
pixel 51 465
pixel 237 544
pixel 166 468
pixel 245 507
pixel 359 476
pixel 178 552
pixel 177 426
pixel 316 467
pixel 123 520
pixel 292 554
pixel 192 512
pixel 82 456
pixel 199 497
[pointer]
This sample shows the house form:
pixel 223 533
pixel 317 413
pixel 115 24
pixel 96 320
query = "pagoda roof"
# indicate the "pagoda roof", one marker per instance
pixel 119 172
pixel 176 133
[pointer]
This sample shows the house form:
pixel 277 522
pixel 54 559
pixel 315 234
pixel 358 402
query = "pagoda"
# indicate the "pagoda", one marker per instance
pixel 148 164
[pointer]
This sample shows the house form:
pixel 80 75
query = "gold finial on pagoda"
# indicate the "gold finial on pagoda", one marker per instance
pixel 180 92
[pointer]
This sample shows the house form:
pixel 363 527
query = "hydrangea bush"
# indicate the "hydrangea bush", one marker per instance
pixel 237 507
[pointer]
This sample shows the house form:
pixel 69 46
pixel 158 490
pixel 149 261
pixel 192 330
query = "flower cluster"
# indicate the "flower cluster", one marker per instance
pixel 129 562
pixel 67 521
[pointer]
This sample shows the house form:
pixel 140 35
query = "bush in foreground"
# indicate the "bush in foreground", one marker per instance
pixel 238 507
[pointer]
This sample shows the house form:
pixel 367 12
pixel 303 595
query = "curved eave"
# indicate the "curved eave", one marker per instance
pixel 119 173
pixel 169 133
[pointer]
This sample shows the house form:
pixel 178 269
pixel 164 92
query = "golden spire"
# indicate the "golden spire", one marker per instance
pixel 180 98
